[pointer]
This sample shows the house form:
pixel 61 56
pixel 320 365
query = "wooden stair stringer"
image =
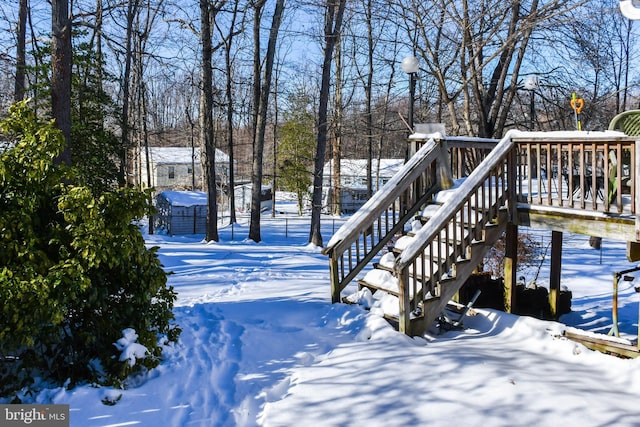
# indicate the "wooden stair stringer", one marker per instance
pixel 463 268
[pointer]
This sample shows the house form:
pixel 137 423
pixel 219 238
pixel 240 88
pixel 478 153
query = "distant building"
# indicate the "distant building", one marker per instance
pixel 181 212
pixel 242 195
pixel 353 180
pixel 178 168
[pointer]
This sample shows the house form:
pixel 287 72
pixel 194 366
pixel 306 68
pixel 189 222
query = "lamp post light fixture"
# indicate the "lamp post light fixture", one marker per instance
pixel 531 84
pixel 411 66
pixel 630 10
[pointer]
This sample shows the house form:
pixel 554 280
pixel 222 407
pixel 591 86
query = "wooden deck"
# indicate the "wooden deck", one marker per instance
pixel 577 182
pixel 620 227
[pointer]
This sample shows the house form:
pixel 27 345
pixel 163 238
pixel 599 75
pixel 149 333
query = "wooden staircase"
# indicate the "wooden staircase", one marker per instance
pixel 415 244
pixel 453 261
pixel 416 241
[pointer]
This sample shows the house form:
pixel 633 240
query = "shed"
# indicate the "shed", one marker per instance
pixel 181 212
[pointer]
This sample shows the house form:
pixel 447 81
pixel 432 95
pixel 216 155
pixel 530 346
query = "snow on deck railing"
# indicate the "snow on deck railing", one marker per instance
pixel 383 198
pixel 443 215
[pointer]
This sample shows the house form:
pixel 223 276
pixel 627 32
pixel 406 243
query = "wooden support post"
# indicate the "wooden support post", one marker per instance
pixel 510 267
pixel 404 314
pixel 556 267
pixel 511 239
pixel 633 251
pixel 443 165
pixel 335 281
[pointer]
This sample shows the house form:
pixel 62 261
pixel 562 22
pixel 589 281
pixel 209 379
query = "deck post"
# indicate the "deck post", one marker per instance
pixel 511 238
pixel 556 267
pixel 510 266
pixel 443 165
pixel 404 314
pixel 335 281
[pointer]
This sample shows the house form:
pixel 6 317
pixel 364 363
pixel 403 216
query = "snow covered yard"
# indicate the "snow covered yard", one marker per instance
pixel 263 345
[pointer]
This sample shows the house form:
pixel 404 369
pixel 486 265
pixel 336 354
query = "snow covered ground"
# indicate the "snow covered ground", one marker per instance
pixel 263 345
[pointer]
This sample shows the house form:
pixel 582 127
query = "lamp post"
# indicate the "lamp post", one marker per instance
pixel 410 66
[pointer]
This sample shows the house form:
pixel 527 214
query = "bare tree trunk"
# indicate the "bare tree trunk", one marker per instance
pixel 385 109
pixel 61 61
pixel 98 38
pixel 368 96
pixel 21 53
pixel 206 120
pixel 336 198
pixel 332 27
pixel 228 42
pixel 145 138
pixel 275 142
pixel 132 10
pixel 192 125
pixel 261 123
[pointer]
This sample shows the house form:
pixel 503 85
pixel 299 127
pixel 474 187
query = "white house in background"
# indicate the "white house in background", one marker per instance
pixel 353 180
pixel 175 168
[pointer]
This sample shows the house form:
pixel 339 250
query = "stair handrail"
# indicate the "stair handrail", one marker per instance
pixel 385 216
pixel 379 202
pixel 444 215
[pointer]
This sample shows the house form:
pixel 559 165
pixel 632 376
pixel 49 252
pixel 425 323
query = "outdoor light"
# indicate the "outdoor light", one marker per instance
pixel 629 9
pixel 411 66
pixel 531 84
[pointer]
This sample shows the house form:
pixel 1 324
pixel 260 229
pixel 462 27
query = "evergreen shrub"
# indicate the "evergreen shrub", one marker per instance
pixel 74 269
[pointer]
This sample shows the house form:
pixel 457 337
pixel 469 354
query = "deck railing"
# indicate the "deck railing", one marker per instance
pixel 449 234
pixel 582 170
pixel 589 171
pixel 579 170
pixel 383 217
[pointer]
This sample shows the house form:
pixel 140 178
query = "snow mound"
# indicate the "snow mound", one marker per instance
pixel 131 350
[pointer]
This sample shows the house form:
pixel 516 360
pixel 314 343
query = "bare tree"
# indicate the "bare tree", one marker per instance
pixel 61 61
pixel 332 26
pixel 336 206
pixel 207 15
pixel 261 117
pixel 21 52
pixel 474 50
pixel 368 91
pixel 602 43
pixel 132 11
pixel 227 40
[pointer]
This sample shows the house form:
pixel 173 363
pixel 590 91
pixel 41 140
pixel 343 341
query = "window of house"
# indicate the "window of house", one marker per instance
pixel 172 172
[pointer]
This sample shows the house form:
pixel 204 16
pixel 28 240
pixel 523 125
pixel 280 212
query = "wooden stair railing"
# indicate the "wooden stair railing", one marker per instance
pixel 468 223
pixel 437 240
pixel 430 241
pixel 384 217
pixel 449 237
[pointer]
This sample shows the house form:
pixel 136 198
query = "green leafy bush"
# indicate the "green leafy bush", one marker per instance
pixel 74 268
